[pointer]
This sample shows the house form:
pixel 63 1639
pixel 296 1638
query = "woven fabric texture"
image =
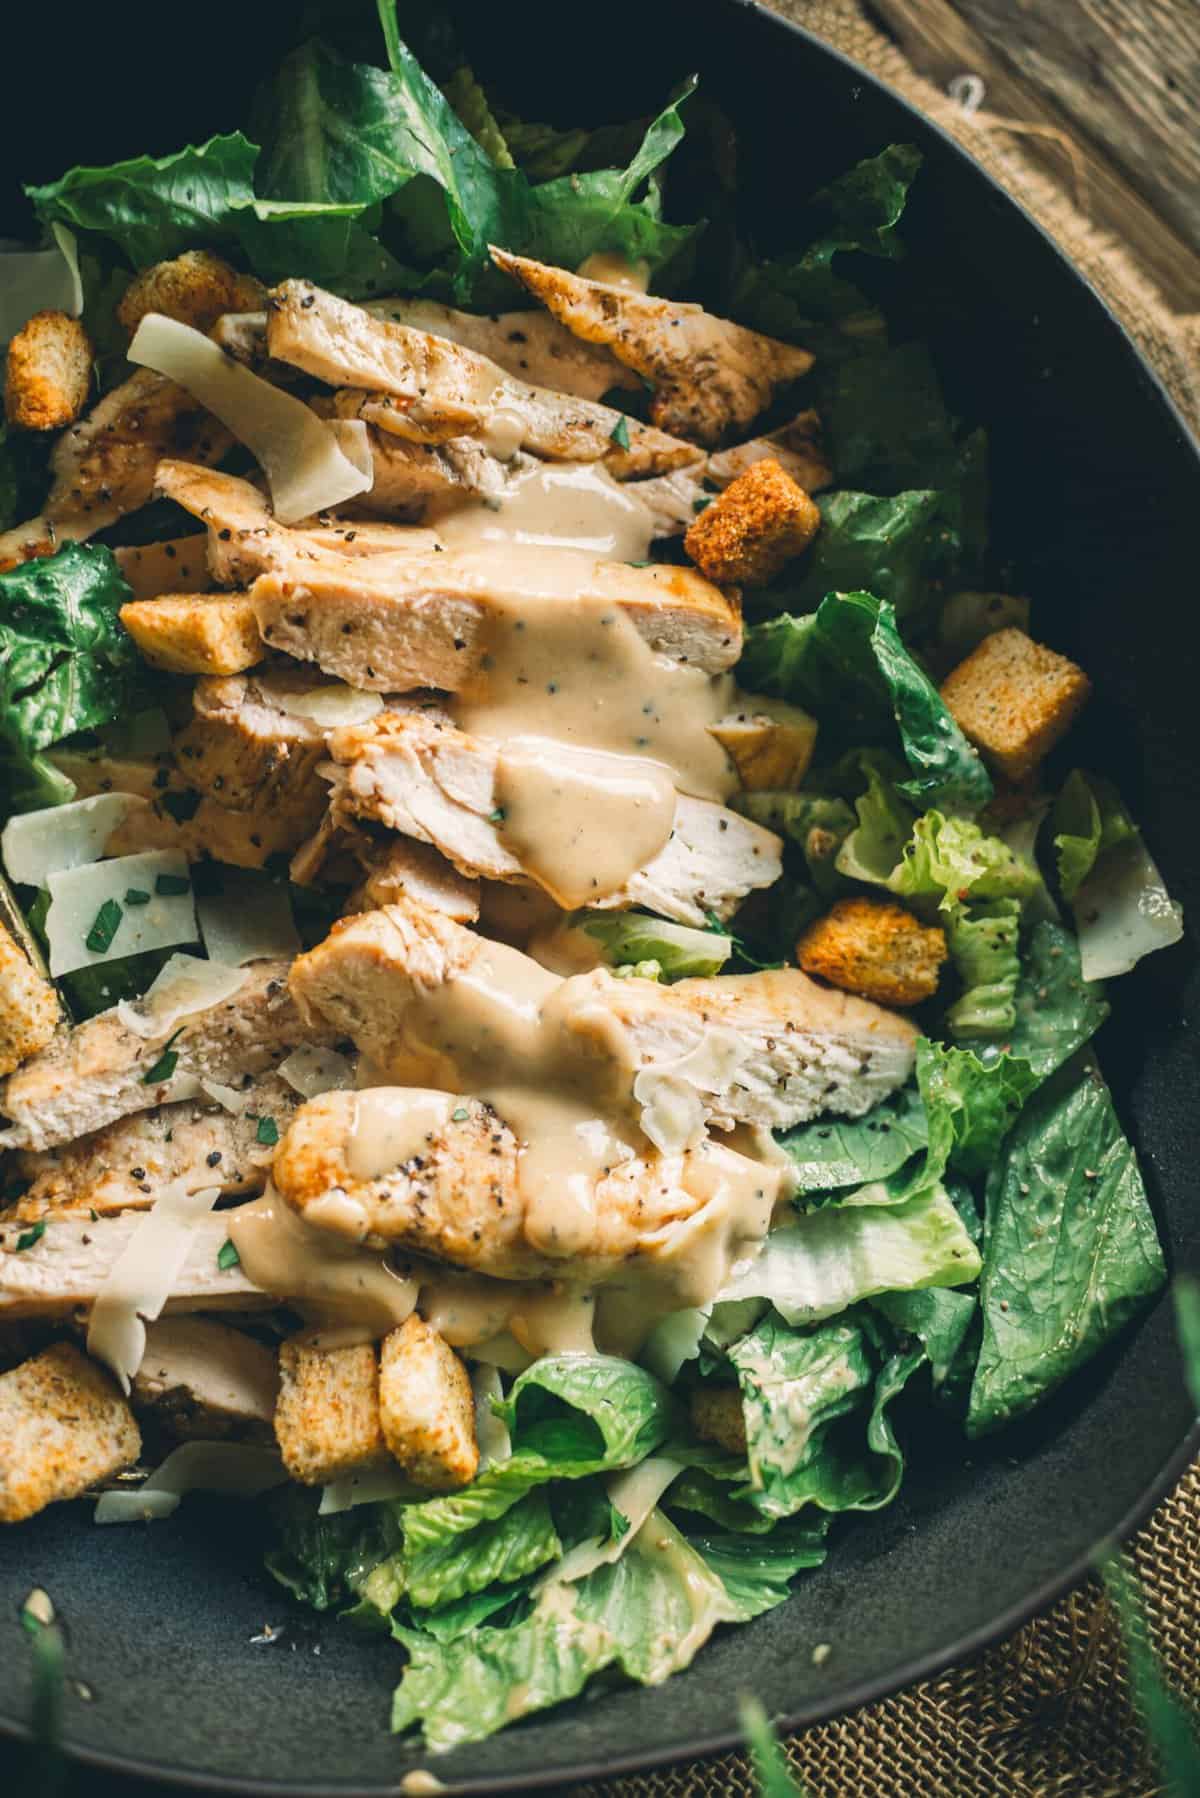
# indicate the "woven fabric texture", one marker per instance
pixel 1045 1714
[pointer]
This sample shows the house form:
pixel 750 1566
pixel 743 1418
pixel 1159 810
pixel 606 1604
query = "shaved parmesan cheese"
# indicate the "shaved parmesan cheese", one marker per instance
pixel 37 844
pixel 634 1494
pixel 183 986
pixel 138 1284
pixel 332 706
pixel 78 896
pixel 1123 911
pixel 228 1097
pixel 366 1488
pixel 309 1070
pixel 250 918
pixel 669 1092
pixel 491 1432
pixel 39 281
pixel 239 1469
pixel 311 464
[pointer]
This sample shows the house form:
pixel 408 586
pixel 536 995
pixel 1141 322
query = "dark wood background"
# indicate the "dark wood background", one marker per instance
pixel 1119 78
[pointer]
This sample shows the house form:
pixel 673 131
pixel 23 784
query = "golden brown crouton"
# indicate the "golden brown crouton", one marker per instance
pixel 49 372
pixel 29 1008
pixel 1014 699
pixel 760 522
pixel 195 288
pixel 770 747
pixel 196 633
pixel 717 1416
pixel 876 949
pixel 327 1417
pixel 427 1407
pixel 63 1426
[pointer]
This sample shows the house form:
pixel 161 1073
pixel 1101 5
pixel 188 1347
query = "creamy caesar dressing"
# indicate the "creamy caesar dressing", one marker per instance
pixel 558 506
pixel 392 1124
pixel 332 1281
pixel 612 269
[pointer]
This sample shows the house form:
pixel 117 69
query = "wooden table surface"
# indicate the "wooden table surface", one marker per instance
pixel 1113 90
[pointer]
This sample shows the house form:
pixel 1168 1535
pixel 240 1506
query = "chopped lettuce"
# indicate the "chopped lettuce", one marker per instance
pixel 324 1560
pixel 838 1152
pixel 817 823
pixel 847 665
pixel 1070 1252
pixel 866 1244
pixel 629 938
pixel 66 665
pixel 982 940
pixel 977 1098
pixel 866 543
pixel 1057 1010
pixel 756 1570
pixel 1089 820
pixel 495 1552
pixel 939 1319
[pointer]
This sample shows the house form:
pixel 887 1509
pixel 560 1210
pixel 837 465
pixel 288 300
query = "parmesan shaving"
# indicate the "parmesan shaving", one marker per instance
pixel 366 1488
pixel 634 1493
pixel 309 1071
pixel 312 465
pixel 139 1283
pixel 239 1469
pixel 250 919
pixel 78 897
pixel 37 844
pixel 491 1432
pixel 227 1097
pixel 333 706
pixel 673 1112
pixel 184 986
pixel 39 281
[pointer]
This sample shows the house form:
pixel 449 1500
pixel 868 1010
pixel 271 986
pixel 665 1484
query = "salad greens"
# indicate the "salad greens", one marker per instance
pixel 976 1236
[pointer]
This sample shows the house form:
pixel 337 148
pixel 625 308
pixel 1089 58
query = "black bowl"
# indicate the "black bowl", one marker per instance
pixel 1098 510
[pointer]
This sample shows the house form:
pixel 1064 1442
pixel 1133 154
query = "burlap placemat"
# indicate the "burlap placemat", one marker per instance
pixel 1045 1714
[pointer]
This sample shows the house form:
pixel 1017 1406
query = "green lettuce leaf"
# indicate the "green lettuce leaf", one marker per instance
pixel 1071 1252
pixel 1057 1010
pixel 66 664
pixel 154 207
pixel 1121 905
pixel 677 952
pixel 647 1614
pixel 980 1099
pixel 836 1152
pixel 757 1571
pixel 473 107
pixel 495 1552
pixel 982 940
pixel 847 665
pixel 1089 819
pixel 868 1243
pixel 938 1318
pixel 325 1561
pixel 882 545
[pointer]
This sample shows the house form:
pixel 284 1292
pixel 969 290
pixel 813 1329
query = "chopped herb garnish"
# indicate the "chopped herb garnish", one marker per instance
pixel 35 1232
pixel 105 926
pixel 496 817
pixel 93 1214
pixel 637 564
pixel 267 1132
pixel 460 1115
pixel 166 1064
pixel 136 896
pixel 620 433
pixel 172 886
pixel 701 503
pixel 181 806
pixel 227 1256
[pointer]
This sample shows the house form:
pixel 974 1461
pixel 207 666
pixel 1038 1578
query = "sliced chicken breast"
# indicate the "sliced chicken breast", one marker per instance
pixel 533 346
pixel 412 479
pixel 432 389
pixel 461 1201
pixel 69 1263
pixel 391 623
pixel 204 1380
pixel 99 1071
pixel 125 1165
pixel 248 745
pixel 709 375
pixel 206 831
pixel 416 773
pixel 104 466
pixel 178 565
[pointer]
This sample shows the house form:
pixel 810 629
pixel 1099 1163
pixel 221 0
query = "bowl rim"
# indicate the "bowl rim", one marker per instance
pixel 973 1641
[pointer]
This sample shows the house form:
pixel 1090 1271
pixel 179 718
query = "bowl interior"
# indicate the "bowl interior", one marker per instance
pixel 1096 494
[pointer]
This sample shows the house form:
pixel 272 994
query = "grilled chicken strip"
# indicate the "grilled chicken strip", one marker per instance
pixel 206 831
pixel 416 773
pixel 124 1166
pixel 776 1049
pixel 674 499
pixel 709 375
pixel 202 1379
pixel 69 1263
pixel 177 565
pixel 97 1072
pixel 104 466
pixel 410 478
pixel 431 389
pixel 245 538
pixel 460 1200
pixel 392 623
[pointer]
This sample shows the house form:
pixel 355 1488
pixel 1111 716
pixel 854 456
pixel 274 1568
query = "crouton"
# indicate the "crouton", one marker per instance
pixel 717 1416
pixel 327 1416
pixel 876 949
pixel 196 633
pixel 771 747
pixel 195 288
pixel 49 372
pixel 63 1426
pixel 1014 699
pixel 29 1007
pixel 427 1408
pixel 760 522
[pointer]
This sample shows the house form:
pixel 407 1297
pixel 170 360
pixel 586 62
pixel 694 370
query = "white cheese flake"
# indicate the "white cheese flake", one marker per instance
pixel 37 844
pixel 310 1070
pixel 183 986
pixel 137 1286
pixel 238 1469
pixel 93 919
pixel 249 919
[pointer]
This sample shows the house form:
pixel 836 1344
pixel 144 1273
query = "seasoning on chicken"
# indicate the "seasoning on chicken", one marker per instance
pixel 30 1012
pixel 709 375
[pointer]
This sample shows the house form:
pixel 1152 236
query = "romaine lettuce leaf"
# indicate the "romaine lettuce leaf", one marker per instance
pixel 1089 820
pixel 66 664
pixel 152 207
pixel 1071 1252
pixel 836 1152
pixel 495 1552
pixel 884 545
pixel 847 665
pixel 1057 1010
pixel 869 1242
pixel 630 937
pixel 982 940
pixel 325 1560
pixel 978 1098
pixel 937 1317
pixel 756 1570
